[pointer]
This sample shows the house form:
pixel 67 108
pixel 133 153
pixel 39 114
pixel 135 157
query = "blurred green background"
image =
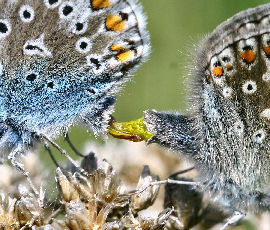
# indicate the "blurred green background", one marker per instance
pixel 175 27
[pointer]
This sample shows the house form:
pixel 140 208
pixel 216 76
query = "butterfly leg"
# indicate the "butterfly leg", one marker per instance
pixel 47 147
pixel 63 152
pixel 237 216
pixel 14 159
pixel 181 172
pixel 72 146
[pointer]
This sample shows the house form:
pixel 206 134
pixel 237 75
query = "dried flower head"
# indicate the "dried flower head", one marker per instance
pixel 147 197
pixel 98 200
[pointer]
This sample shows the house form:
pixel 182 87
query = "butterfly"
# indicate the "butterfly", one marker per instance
pixel 226 131
pixel 61 64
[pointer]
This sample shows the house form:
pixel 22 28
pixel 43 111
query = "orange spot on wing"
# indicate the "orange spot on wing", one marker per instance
pixel 99 4
pixel 267 50
pixel 116 47
pixel 229 67
pixel 115 23
pixel 217 71
pixel 248 56
pixel 126 55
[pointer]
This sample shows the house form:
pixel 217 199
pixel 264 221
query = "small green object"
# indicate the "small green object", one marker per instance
pixel 131 130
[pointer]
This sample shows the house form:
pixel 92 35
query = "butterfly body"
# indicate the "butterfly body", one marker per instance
pixel 62 62
pixel 227 132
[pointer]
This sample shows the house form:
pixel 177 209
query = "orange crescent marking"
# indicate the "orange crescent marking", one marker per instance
pixel 217 71
pixel 267 49
pixel 229 67
pixel 126 55
pixel 248 56
pixel 116 47
pixel 115 23
pixel 99 4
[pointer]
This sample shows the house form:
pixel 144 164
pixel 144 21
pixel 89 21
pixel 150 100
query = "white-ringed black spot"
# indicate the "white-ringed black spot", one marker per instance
pixel 31 77
pixel 26 13
pixel 67 10
pixel 259 136
pixel 52 3
pixel 249 87
pixel 239 128
pixel 36 47
pixel 227 92
pixel 79 26
pixel 83 45
pixel 95 62
pixel 5 28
